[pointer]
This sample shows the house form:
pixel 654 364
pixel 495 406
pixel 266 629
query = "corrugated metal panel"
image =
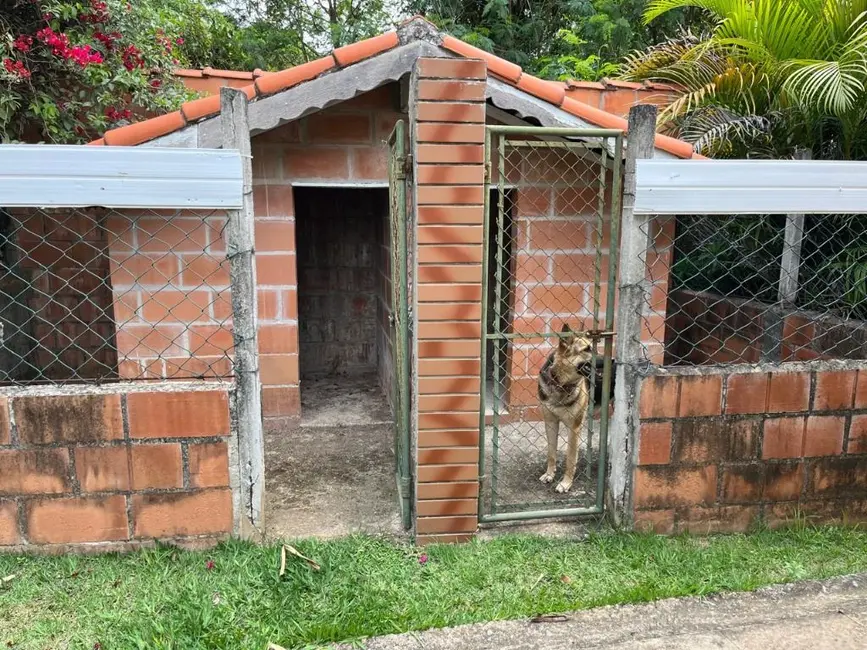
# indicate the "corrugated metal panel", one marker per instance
pixel 750 187
pixel 119 177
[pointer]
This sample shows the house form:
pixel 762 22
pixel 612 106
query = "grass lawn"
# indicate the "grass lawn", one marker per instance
pixel 232 597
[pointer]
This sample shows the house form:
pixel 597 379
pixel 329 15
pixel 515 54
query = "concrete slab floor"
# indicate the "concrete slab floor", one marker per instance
pixel 815 615
pixel 334 473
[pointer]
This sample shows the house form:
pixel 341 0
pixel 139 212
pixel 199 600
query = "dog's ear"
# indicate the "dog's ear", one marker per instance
pixel 566 341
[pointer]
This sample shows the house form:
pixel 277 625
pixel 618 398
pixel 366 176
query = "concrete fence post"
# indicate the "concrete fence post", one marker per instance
pixel 787 289
pixel 791 260
pixel 633 295
pixel 242 273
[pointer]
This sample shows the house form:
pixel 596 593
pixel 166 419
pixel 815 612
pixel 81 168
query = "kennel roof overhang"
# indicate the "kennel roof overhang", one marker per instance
pixel 281 97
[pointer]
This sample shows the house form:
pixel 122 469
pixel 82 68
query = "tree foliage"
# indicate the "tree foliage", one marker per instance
pixel 767 77
pixel 556 39
pixel 70 70
pixel 277 34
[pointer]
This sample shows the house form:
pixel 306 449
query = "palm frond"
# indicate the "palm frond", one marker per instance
pixel 719 8
pixel 832 86
pixel 713 129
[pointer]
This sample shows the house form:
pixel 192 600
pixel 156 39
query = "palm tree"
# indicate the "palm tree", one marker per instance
pixel 769 77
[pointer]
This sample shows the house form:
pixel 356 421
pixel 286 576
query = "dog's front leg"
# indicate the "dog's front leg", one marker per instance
pixel 565 483
pixel 552 424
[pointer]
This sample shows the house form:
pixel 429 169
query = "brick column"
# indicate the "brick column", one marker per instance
pixel 448 119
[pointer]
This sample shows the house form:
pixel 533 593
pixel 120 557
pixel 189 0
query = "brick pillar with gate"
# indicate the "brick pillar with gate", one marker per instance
pixel 448 118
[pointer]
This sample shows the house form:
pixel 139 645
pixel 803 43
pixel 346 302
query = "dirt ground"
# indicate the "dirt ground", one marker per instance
pixel 521 459
pixel 334 473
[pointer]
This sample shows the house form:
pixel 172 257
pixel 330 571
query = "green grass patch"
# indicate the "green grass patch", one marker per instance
pixel 232 596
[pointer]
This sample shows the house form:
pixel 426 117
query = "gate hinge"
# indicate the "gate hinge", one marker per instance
pixel 404 485
pixel 407 166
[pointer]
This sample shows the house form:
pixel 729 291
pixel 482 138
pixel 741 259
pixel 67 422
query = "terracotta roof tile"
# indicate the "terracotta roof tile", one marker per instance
pixel 143 131
pixel 199 108
pixel 269 83
pixel 273 83
pixel 593 115
pixel 500 67
pixel 187 72
pixel 547 90
pixel 227 74
pixel 674 146
pixel 595 85
pixel 632 85
pixel 349 54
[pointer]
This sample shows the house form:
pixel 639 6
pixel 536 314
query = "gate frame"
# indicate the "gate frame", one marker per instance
pixel 606 334
pixel 400 317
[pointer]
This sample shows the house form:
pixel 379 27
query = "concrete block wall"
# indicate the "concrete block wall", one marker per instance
pixel 115 467
pixel 342 144
pixel 448 150
pixel 720 450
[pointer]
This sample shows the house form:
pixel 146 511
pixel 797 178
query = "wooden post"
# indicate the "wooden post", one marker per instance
pixel 242 273
pixel 633 296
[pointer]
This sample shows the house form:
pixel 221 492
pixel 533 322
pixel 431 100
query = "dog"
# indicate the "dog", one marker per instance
pixel 564 396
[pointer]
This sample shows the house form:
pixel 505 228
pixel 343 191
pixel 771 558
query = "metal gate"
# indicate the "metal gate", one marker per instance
pixel 399 316
pixel 551 234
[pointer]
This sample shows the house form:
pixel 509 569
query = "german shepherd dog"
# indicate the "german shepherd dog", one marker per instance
pixel 564 395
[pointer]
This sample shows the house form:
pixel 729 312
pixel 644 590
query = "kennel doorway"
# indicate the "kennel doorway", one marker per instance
pixel 550 261
pixel 337 466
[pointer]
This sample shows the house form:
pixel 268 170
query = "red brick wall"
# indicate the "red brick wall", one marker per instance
pixel 720 452
pixel 120 467
pixel 705 328
pixel 172 303
pixel 449 152
pixel 59 275
pixel 554 207
pixel 345 143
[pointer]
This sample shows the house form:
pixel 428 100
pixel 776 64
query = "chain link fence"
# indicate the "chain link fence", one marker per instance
pixel 759 288
pixel 98 295
pixel 550 265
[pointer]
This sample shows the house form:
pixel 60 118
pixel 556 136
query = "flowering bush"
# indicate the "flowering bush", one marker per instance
pixel 71 70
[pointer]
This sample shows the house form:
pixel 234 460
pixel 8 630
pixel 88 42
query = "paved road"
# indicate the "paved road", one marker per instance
pixel 825 615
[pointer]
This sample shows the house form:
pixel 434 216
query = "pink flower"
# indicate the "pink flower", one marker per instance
pixel 115 115
pixel 84 55
pixel 23 43
pixel 16 68
pixel 422 559
pixel 132 58
pixel 59 43
pixel 179 41
pixel 106 39
pixel 210 565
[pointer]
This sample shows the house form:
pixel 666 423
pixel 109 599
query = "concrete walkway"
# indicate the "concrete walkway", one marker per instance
pixel 825 615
